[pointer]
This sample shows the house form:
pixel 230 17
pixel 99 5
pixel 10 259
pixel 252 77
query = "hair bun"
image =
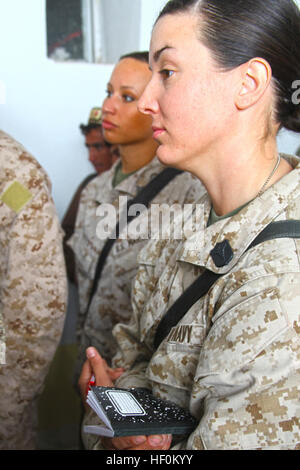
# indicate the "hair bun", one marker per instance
pixel 292 123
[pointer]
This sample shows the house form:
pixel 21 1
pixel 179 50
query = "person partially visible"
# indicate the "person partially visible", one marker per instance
pixel 123 125
pixel 298 151
pixel 101 155
pixel 33 290
pixel 220 91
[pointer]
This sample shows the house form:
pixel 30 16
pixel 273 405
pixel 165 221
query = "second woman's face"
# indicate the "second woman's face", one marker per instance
pixel 189 99
pixel 122 122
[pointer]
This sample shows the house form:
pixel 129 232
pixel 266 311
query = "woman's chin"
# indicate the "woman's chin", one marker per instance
pixel 166 157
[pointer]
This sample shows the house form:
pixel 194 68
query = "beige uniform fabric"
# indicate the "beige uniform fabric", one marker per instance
pixel 111 303
pixel 234 359
pixel 33 290
pixel 2 341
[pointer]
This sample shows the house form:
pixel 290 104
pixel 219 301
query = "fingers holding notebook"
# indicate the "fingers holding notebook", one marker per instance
pixel 155 442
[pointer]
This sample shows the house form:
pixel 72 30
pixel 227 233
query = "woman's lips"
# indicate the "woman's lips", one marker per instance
pixel 157 131
pixel 108 125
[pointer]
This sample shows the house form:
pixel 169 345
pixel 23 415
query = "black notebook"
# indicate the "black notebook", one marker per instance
pixel 135 412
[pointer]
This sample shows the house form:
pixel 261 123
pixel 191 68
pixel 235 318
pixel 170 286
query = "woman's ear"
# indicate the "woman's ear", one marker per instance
pixel 255 79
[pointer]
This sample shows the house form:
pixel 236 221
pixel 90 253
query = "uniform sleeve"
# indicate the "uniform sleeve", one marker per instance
pixel 33 298
pixel 77 243
pixel 133 354
pixel 248 375
pixel 68 225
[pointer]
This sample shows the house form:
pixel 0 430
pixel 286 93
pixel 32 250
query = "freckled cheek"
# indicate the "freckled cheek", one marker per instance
pixel 175 114
pixel 175 107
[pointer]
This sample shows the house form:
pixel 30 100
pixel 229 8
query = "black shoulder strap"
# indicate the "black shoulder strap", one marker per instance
pixel 281 229
pixel 144 197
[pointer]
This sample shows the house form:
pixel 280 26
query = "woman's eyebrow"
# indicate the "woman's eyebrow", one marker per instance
pixel 126 87
pixel 123 87
pixel 157 54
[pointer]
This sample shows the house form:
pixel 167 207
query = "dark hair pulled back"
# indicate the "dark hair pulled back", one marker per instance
pixel 238 30
pixel 142 56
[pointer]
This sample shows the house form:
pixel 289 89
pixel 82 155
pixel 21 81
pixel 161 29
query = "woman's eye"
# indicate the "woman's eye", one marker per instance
pixel 108 93
pixel 128 98
pixel 166 73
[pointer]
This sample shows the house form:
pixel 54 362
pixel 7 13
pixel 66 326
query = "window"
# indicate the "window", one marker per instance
pixel 64 30
pixel 96 31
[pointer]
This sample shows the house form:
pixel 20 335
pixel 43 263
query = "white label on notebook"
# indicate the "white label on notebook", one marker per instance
pixel 125 403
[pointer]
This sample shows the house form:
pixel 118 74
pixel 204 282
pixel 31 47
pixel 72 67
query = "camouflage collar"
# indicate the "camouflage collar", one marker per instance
pixel 140 178
pixel 131 185
pixel 241 229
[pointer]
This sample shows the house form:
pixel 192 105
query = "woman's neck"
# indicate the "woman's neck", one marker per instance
pixel 235 176
pixel 137 155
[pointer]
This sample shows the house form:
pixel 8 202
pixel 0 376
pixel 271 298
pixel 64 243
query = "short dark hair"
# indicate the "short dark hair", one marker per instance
pixel 238 30
pixel 85 128
pixel 142 56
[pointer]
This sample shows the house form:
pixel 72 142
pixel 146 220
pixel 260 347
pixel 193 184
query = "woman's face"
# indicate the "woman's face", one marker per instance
pixel 189 99
pixel 122 122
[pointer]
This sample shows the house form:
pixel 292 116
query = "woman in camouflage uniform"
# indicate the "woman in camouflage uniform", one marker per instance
pixel 221 90
pixel 125 126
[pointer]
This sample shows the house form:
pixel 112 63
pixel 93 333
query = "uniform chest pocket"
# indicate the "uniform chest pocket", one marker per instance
pixel 124 254
pixel 185 338
pixel 175 362
pixel 87 253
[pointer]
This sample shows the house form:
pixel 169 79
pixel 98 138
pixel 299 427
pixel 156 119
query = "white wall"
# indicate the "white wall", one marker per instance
pixel 126 24
pixel 46 101
pixel 150 11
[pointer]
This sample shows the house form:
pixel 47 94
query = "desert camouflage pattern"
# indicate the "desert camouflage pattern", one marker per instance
pixel 111 303
pixel 33 290
pixel 234 358
pixel 2 341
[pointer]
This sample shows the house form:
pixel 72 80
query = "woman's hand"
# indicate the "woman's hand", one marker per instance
pixel 105 376
pixel 157 442
pixel 96 366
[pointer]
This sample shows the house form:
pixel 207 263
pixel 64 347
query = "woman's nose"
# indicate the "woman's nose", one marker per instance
pixel 109 104
pixel 147 103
